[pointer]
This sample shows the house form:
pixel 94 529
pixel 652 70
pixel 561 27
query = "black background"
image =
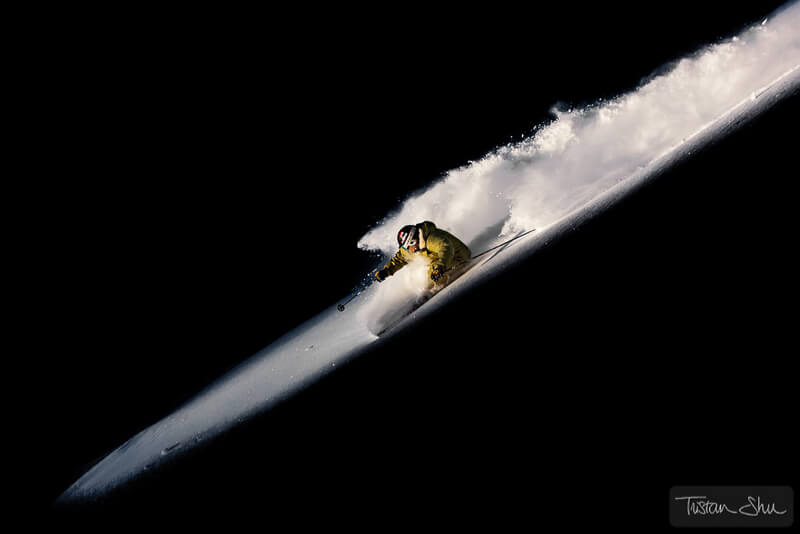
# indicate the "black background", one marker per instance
pixel 197 184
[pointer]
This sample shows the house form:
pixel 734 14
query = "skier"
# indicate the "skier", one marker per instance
pixel 446 252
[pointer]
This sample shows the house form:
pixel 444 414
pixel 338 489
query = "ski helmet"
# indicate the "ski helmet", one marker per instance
pixel 408 236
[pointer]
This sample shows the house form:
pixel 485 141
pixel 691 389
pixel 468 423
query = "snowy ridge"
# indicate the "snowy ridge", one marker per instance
pixel 532 197
pixel 784 86
pixel 583 152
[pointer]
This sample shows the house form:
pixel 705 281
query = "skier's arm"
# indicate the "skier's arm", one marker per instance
pixel 396 263
pixel 444 255
pixel 392 266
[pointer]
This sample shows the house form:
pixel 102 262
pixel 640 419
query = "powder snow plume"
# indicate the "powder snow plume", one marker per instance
pixel 581 153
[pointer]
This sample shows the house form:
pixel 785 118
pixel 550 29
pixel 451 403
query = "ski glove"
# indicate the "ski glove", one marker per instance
pixel 381 275
pixel 437 273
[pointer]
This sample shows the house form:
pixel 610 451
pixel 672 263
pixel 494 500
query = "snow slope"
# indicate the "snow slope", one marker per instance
pixel 568 171
pixel 583 152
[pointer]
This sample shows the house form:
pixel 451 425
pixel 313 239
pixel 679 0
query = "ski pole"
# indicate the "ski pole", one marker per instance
pixel 502 244
pixel 368 283
pixel 341 306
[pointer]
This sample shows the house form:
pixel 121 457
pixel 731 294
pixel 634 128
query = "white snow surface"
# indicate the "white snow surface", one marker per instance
pixel 569 170
pixel 584 152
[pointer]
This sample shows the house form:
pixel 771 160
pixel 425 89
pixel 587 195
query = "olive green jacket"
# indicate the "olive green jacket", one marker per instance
pixel 443 248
